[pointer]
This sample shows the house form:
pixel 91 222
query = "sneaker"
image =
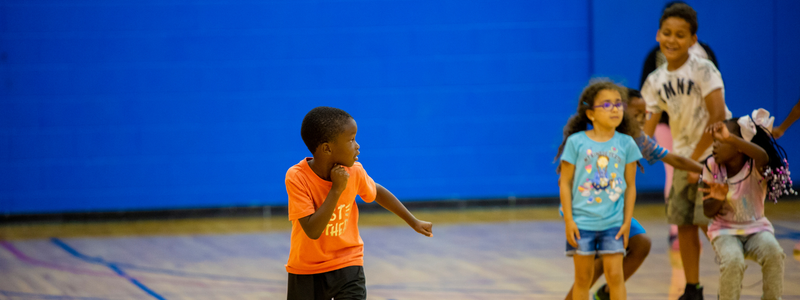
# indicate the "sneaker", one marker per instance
pixel 692 294
pixel 601 294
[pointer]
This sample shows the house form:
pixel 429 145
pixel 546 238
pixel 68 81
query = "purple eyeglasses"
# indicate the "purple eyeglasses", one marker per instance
pixel 608 105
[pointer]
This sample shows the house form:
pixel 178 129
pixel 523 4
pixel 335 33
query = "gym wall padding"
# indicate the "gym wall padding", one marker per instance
pixel 141 105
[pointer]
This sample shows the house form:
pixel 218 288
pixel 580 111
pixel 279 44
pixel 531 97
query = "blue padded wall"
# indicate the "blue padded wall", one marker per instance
pixel 136 105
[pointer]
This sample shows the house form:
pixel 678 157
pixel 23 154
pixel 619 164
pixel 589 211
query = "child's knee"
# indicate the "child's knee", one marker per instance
pixel 773 254
pixel 615 276
pixel 768 250
pixel 612 269
pixel 584 278
pixel 584 270
pixel 639 246
pixel 732 263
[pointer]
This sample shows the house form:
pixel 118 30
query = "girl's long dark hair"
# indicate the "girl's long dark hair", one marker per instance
pixel 776 170
pixel 580 122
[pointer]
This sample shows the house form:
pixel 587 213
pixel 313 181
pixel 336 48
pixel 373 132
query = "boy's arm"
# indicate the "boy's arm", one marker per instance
pixel 651 99
pixel 630 201
pixel 682 163
pixel 314 224
pixel 715 104
pixel 793 116
pixel 651 123
pixel 386 199
pixel 565 188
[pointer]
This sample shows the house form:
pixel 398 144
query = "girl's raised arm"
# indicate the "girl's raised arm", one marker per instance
pixel 758 154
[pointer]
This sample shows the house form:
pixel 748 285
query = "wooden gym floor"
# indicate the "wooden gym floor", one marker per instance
pixel 503 253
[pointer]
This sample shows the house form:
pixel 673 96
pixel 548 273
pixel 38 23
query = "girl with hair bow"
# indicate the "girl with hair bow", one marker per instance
pixel 746 167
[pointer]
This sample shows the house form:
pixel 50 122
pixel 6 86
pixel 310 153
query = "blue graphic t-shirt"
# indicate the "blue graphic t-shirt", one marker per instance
pixel 599 184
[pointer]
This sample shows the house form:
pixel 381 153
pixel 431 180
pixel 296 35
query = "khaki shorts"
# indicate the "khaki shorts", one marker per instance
pixel 685 203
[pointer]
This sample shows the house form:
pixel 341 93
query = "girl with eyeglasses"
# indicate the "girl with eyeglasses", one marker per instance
pixel 598 185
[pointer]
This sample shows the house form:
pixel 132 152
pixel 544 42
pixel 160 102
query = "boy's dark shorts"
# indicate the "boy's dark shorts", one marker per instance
pixel 347 283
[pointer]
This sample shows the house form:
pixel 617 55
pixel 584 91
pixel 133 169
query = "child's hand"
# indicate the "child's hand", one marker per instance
pixel 715 190
pixel 692 177
pixel 726 208
pixel 573 235
pixel 339 177
pixel 423 227
pixel 719 131
pixel 624 232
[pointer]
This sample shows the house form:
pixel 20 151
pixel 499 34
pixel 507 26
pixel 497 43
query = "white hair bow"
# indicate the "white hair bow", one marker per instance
pixel 747 124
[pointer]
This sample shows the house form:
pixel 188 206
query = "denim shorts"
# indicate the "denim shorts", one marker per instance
pixel 598 242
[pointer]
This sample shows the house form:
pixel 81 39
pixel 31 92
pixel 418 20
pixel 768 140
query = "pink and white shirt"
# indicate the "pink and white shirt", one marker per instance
pixel 746 195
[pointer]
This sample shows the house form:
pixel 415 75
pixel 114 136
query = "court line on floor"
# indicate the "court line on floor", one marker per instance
pixel 45 296
pixel 111 266
pixel 19 255
pixel 29 260
pixel 791 234
pixel 183 281
pixel 177 273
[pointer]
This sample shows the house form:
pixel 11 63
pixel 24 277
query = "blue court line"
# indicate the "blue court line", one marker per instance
pixel 100 261
pixel 111 266
pixel 44 296
pixel 791 234
pixel 197 275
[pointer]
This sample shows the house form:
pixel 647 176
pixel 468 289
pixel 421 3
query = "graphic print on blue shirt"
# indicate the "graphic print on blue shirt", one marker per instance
pixel 599 179
pixel 602 181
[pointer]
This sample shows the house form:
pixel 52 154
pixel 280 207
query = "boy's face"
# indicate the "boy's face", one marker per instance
pixel 674 38
pixel 637 109
pixel 344 149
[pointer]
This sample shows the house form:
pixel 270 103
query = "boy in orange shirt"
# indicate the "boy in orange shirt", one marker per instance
pixel 326 256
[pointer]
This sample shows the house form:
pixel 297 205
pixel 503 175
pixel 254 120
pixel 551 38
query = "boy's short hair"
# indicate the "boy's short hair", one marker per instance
pixel 634 93
pixel 683 11
pixel 671 3
pixel 322 124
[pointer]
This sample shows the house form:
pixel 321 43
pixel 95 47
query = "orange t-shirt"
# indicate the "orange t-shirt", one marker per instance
pixel 340 245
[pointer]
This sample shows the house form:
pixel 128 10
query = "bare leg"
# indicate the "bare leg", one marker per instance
pixel 612 266
pixel 598 271
pixel 690 252
pixel 677 281
pixel 638 249
pixel 704 228
pixel 584 272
